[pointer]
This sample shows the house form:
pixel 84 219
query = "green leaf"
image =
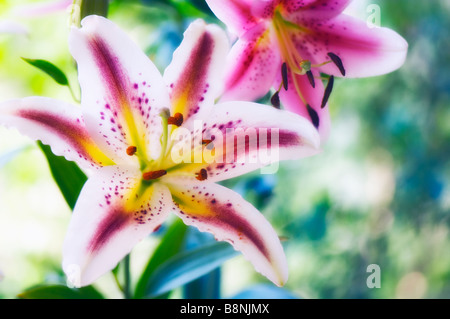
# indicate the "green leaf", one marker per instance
pixel 170 244
pixel 68 176
pixel 186 9
pixel 188 266
pixel 49 68
pixel 205 287
pixel 61 292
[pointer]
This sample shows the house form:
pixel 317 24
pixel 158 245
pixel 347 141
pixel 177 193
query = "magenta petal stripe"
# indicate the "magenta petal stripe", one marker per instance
pixel 225 214
pixel 194 77
pixel 111 71
pixel 57 124
pixel 192 83
pixel 114 213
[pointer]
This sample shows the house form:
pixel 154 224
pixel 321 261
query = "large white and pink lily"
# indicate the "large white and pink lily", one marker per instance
pixel 302 37
pixel 131 130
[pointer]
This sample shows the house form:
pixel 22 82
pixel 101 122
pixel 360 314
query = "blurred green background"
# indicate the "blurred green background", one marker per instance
pixel 379 193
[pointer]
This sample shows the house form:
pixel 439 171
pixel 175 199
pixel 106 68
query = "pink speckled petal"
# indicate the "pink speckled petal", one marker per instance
pixel 264 9
pixel 195 75
pixel 317 9
pixel 57 124
pixel 122 92
pixel 113 213
pixel 224 213
pixel 364 51
pixel 252 65
pixel 313 96
pixel 245 136
pixel 236 14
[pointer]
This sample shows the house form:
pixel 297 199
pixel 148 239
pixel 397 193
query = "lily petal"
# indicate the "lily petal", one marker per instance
pixel 236 14
pixel 318 9
pixel 313 96
pixel 245 136
pixel 364 51
pixel 114 212
pixel 57 124
pixel 195 71
pixel 265 8
pixel 252 65
pixel 224 213
pixel 122 91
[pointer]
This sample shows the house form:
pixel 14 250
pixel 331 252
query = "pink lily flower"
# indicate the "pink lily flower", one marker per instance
pixel 289 43
pixel 131 125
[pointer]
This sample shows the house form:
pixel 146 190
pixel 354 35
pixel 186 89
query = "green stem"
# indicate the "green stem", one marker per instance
pixel 73 94
pixel 164 138
pixel 127 278
pixel 97 7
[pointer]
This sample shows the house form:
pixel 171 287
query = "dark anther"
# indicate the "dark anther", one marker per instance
pixel 313 115
pixel 337 60
pixel 275 100
pixel 206 142
pixel 153 174
pixel 311 79
pixel 328 90
pixel 202 175
pixel 284 75
pixel 131 150
pixel 177 119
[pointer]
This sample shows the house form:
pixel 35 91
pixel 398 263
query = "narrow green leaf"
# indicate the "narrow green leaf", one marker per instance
pixel 186 9
pixel 205 287
pixel 171 244
pixel 68 176
pixel 60 292
pixel 49 68
pixel 188 266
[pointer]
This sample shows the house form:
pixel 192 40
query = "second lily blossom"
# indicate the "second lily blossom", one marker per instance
pixel 287 44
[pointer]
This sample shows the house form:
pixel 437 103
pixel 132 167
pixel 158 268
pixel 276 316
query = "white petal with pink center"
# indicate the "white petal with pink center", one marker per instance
pixel 123 128
pixel 224 213
pixel 115 211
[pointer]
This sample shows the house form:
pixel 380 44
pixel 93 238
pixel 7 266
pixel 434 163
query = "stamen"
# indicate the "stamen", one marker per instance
pixel 284 75
pixel 131 150
pixel 337 60
pixel 328 90
pixel 311 78
pixel 202 175
pixel 275 100
pixel 177 119
pixel 153 174
pixel 313 115
pixel 206 142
